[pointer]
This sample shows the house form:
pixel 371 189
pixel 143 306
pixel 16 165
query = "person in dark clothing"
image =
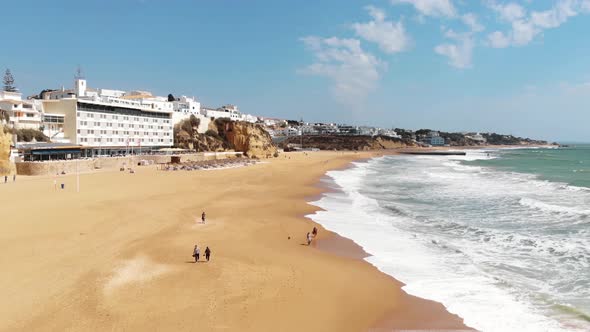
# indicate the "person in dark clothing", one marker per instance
pixel 14 178
pixel 203 217
pixel 196 253
pixel 314 231
pixel 207 253
pixel 5 178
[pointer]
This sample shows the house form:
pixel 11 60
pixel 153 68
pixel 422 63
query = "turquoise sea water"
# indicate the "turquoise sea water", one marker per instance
pixel 500 237
pixel 569 165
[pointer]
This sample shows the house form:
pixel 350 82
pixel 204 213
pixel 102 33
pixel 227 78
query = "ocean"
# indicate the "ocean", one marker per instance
pixel 500 237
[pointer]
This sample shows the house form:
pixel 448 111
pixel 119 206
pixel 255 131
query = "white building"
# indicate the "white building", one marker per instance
pixel 225 112
pixel 184 107
pixel 478 138
pixel 290 131
pixel 388 132
pixel 129 120
pixel 24 114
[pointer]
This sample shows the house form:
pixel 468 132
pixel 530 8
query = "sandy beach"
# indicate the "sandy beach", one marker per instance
pixel 117 255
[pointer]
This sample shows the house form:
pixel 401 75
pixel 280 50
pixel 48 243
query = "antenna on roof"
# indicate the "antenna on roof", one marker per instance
pixel 79 75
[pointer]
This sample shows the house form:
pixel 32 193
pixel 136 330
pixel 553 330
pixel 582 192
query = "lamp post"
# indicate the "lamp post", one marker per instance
pixel 77 177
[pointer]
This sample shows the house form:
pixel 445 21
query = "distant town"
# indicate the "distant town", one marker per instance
pixel 115 122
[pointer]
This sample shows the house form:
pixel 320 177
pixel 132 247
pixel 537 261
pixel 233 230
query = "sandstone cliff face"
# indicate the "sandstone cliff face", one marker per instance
pixel 6 167
pixel 359 143
pixel 223 135
pixel 249 138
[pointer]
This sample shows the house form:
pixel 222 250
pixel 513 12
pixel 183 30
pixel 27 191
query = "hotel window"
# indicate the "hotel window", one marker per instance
pixel 78 131
pixel 115 117
pixel 90 115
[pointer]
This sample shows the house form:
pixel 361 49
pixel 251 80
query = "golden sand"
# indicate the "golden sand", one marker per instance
pixel 117 255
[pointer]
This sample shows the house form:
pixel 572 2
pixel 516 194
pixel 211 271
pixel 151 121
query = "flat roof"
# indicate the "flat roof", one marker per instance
pixel 132 107
pixel 47 146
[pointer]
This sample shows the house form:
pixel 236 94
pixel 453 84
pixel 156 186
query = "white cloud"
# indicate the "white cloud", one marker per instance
pixel 497 39
pixel 471 21
pixel 460 53
pixel 524 28
pixel 555 16
pixel 431 7
pixel 391 37
pixel 509 12
pixel 353 71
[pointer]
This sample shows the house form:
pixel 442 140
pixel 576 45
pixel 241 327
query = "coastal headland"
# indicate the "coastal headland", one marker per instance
pixel 117 255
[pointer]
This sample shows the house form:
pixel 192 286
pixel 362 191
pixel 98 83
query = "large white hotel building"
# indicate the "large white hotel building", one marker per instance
pixel 109 119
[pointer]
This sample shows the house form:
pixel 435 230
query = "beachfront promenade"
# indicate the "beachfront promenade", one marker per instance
pixel 117 255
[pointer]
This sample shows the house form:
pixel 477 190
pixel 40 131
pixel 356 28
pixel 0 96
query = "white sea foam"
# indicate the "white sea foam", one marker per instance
pixel 458 265
pixel 535 204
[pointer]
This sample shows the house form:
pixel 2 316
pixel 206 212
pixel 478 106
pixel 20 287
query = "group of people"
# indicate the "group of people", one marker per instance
pixel 312 235
pixel 197 253
pixel 197 250
pixel 6 178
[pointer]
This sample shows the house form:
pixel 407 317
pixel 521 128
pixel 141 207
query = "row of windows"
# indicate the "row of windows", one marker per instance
pixel 121 125
pixel 53 119
pixel 123 140
pixel 121 111
pixel 116 132
pixel 124 118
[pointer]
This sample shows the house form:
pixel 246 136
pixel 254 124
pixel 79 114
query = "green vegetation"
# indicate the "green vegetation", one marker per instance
pixel 27 135
pixel 9 82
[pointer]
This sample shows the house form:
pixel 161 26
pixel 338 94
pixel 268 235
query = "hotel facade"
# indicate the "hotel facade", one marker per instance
pixel 114 123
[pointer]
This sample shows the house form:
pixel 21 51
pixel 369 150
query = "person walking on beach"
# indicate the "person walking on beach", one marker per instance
pixel 13 177
pixel 314 232
pixel 5 178
pixel 207 253
pixel 196 253
pixel 203 217
pixel 308 238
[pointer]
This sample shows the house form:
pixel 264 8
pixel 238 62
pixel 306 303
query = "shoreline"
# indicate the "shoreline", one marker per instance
pixel 411 316
pixel 111 254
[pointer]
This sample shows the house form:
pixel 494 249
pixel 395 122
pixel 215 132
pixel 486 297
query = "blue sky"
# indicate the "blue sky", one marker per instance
pixel 520 67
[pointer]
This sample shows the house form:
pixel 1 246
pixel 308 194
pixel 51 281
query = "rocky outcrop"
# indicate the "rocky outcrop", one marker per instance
pixel 6 166
pixel 225 135
pixel 357 143
pixel 247 137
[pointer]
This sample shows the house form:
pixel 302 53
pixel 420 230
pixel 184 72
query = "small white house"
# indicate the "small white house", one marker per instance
pixel 24 114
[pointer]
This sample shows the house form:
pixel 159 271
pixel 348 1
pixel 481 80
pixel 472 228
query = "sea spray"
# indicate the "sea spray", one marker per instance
pixel 502 249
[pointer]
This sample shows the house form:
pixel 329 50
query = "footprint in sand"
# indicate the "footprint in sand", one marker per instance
pixel 137 270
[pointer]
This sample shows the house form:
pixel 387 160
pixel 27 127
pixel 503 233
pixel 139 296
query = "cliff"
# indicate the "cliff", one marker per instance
pixel 331 142
pixel 247 137
pixel 223 135
pixel 6 167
